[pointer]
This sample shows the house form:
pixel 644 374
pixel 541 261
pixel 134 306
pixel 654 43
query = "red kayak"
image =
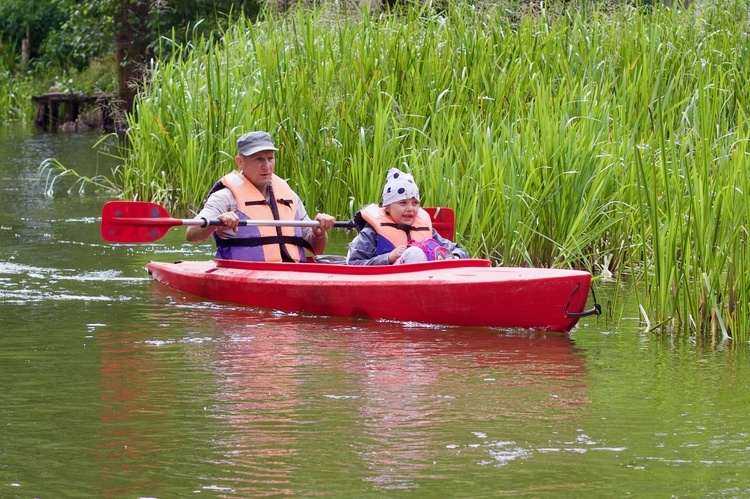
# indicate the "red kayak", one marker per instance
pixel 450 292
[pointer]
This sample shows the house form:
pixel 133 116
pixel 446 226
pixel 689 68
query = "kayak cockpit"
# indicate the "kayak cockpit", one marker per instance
pixel 328 268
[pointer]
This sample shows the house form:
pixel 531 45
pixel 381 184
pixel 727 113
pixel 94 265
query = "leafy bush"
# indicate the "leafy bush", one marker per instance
pixel 87 34
pixel 39 17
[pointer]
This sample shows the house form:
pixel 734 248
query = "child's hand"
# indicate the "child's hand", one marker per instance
pixel 395 254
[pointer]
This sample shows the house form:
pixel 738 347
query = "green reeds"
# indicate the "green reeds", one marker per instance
pixel 614 141
pixel 16 86
pixel 15 96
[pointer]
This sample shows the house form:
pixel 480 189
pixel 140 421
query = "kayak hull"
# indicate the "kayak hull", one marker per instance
pixel 452 292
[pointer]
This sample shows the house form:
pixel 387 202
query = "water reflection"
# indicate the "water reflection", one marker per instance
pixel 260 367
pixel 413 387
pixel 376 405
pixel 131 412
pixel 155 405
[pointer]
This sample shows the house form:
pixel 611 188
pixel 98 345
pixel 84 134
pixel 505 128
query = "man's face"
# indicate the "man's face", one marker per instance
pixel 258 167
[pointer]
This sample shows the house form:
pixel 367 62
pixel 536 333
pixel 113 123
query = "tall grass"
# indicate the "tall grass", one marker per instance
pixel 614 141
pixel 15 88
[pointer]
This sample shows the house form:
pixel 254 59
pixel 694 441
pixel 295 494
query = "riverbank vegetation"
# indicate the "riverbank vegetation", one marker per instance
pixel 86 47
pixel 608 139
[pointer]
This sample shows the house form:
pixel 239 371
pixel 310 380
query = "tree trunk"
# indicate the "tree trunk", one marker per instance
pixel 25 50
pixel 132 42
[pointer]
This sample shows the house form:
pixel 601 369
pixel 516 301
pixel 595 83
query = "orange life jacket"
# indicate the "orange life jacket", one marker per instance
pixel 263 243
pixel 391 234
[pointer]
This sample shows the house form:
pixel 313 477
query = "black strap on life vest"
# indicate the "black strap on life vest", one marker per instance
pixel 285 202
pixel 219 185
pixel 285 257
pixel 255 203
pixel 260 241
pixel 405 227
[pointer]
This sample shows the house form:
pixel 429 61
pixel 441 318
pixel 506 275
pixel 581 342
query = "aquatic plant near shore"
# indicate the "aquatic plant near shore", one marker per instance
pixel 54 174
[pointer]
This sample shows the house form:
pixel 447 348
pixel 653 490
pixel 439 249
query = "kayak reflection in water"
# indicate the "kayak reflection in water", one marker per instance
pixel 253 192
pixel 397 230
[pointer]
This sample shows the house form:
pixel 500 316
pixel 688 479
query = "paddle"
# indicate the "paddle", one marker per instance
pixel 145 222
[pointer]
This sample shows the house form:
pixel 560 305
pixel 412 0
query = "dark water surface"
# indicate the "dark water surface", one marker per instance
pixel 114 386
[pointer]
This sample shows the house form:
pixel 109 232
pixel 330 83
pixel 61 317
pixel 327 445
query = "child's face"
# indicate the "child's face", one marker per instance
pixel 404 211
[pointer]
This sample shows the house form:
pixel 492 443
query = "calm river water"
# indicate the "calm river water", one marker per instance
pixel 114 386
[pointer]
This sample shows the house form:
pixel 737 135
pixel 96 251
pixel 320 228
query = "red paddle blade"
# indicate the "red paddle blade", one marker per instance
pixel 443 221
pixel 135 222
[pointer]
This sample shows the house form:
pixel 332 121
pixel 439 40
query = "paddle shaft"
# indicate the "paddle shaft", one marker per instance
pixel 143 221
pixel 202 222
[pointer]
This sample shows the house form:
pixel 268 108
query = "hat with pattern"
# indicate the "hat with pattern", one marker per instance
pixel 399 186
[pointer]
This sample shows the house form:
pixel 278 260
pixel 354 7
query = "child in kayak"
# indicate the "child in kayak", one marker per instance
pixel 397 230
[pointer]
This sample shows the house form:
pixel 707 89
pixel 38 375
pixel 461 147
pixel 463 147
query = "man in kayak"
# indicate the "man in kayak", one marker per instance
pixel 254 192
pixel 397 230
